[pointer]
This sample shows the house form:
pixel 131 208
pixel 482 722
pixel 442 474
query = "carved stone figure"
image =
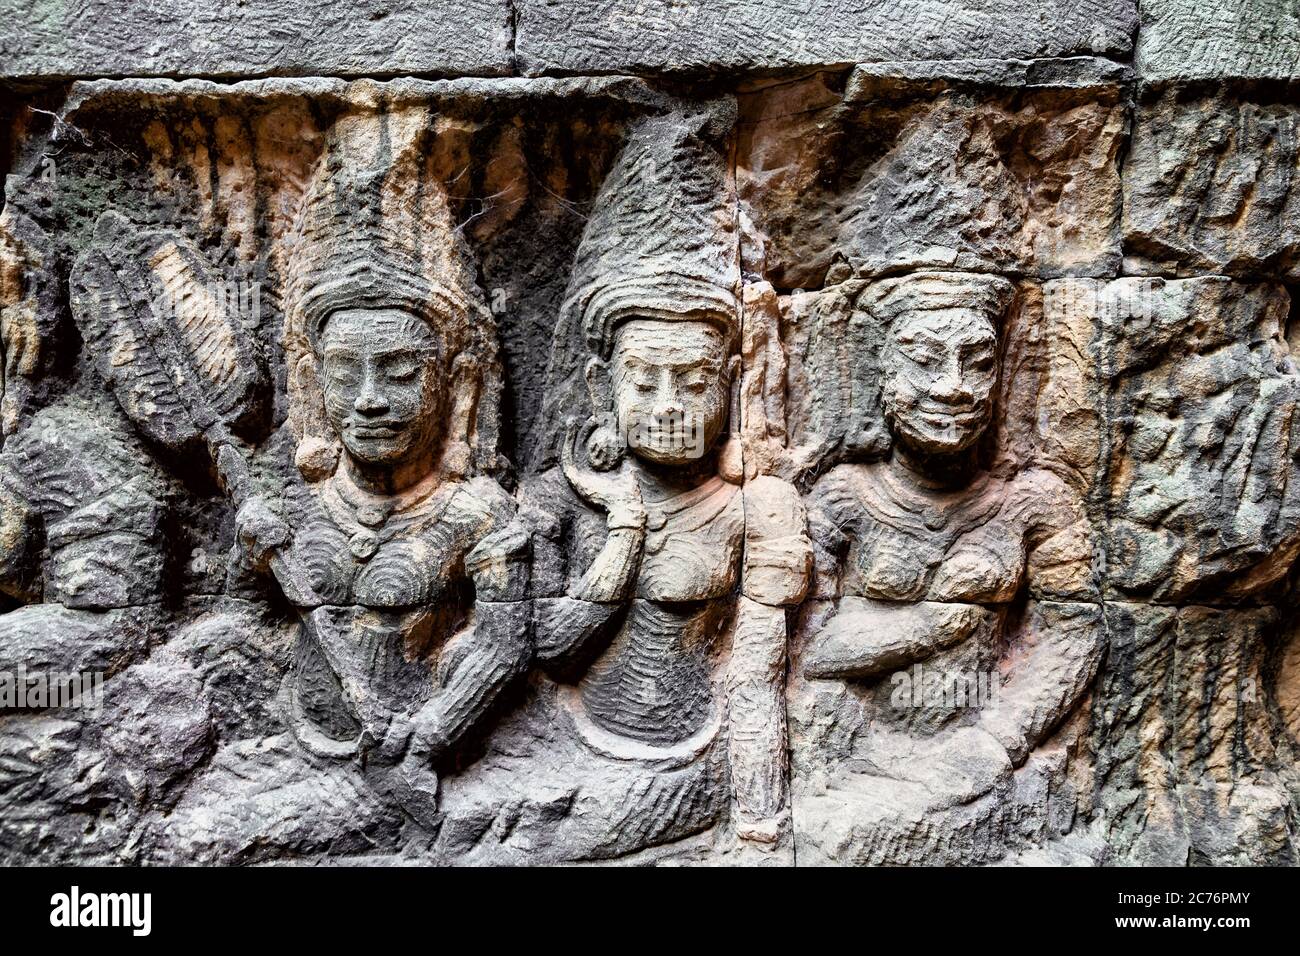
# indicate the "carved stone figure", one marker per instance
pixel 73 485
pixel 394 384
pixel 951 683
pixel 724 455
pixel 660 584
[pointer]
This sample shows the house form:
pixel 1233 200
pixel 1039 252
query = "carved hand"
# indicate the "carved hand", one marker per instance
pixel 499 565
pixel 617 492
pixel 261 531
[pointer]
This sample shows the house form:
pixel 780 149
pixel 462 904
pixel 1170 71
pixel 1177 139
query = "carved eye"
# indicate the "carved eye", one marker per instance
pixel 403 372
pixel 343 372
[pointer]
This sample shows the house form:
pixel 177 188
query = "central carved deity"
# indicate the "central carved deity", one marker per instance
pixel 660 586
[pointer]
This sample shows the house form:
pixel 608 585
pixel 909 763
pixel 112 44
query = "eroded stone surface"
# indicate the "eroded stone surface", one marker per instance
pixel 625 36
pixel 1238 39
pixel 804 466
pixel 1187 767
pixel 1210 187
pixel 319 38
pixel 903 173
pixel 1194 395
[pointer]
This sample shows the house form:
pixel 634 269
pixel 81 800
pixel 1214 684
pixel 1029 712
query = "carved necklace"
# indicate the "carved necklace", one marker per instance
pixel 367 518
pixel 935 510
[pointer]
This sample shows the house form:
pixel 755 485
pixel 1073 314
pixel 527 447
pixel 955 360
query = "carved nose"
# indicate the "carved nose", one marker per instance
pixel 370 402
pixel 667 401
pixel 950 388
pixel 668 408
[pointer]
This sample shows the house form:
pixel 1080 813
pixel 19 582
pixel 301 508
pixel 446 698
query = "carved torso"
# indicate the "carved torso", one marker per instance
pixel 654 680
pixel 928 576
pixel 693 544
pixel 403 551
pixel 653 683
pixel 905 543
pixel 390 572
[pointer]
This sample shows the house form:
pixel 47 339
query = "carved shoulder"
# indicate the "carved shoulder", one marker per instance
pixel 485 497
pixel 834 506
pixel 1058 536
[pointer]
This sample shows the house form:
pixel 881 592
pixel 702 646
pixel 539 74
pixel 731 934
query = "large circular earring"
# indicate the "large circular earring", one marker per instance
pixel 317 455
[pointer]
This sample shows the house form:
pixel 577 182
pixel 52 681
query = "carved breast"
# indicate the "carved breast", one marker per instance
pixel 408 559
pixel 890 564
pixel 402 573
pixel 982 567
pixel 693 544
pixel 959 548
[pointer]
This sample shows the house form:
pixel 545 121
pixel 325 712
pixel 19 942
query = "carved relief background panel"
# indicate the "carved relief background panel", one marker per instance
pixel 812 460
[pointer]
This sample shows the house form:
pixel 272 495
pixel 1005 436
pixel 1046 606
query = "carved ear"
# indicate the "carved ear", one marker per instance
pixel 317 454
pixel 605 446
pixel 731 458
pixel 306 398
pixel 599 387
pixel 457 444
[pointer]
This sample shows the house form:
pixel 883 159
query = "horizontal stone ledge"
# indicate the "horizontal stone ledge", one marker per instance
pixel 1068 73
pixel 234 38
pixel 1083 73
pixel 1191 41
pixel 90 96
pixel 670 36
pixel 475 94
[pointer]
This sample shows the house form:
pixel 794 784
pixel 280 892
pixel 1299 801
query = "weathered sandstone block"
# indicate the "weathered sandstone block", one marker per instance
pixel 600 36
pixel 597 431
pixel 1210 187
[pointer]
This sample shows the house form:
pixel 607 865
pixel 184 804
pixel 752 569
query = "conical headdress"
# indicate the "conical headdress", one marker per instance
pixel 661 243
pixel 376 231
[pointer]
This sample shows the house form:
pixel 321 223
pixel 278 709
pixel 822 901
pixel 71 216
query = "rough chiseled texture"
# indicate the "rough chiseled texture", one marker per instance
pixel 1210 186
pixel 45 39
pixel 1183 40
pixel 632 36
pixel 821 433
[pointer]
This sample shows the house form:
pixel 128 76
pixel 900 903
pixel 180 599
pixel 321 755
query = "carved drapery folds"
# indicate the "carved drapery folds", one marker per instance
pixel 556 470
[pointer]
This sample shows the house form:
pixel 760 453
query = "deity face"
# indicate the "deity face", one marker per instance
pixel 670 388
pixel 383 384
pixel 940 369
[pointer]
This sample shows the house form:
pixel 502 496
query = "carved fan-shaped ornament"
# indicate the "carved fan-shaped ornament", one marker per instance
pixel 163 335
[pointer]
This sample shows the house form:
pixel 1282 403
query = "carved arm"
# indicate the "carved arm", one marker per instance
pixel 777 568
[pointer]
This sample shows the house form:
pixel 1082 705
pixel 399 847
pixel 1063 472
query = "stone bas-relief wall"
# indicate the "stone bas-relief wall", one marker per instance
pixel 783 456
